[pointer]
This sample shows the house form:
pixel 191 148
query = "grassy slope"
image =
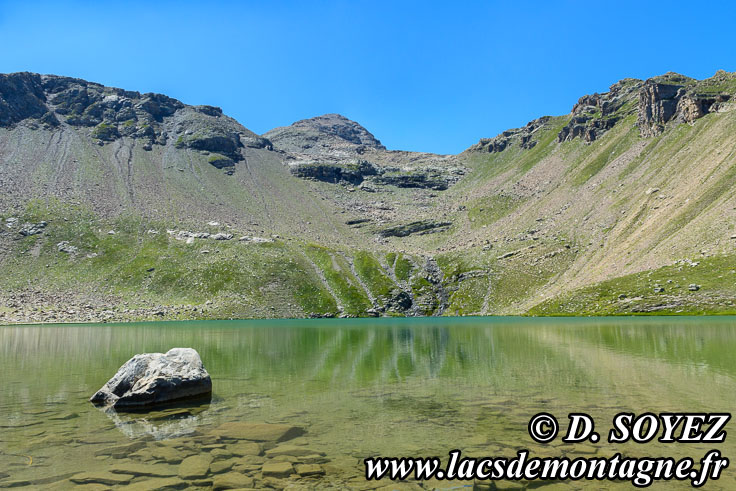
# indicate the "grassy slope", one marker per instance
pixel 594 199
pixel 714 279
pixel 144 265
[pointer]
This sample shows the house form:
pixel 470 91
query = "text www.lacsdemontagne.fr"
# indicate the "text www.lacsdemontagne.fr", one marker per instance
pixel 641 472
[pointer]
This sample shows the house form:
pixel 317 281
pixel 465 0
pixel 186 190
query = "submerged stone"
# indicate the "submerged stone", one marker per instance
pixel 221 466
pixel 152 470
pixel 157 483
pixel 194 467
pixel 232 480
pixel 309 470
pixel 277 469
pixel 257 432
pixel 152 379
pixel 168 454
pixel 101 477
pixel 245 448
pixel 120 451
pixel 293 450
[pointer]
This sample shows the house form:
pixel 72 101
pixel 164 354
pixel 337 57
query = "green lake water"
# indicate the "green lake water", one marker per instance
pixel 359 388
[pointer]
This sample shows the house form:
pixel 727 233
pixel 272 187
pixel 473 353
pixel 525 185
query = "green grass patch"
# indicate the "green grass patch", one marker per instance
pixel 370 271
pixel 490 209
pixel 353 298
pixel 635 293
pixel 403 268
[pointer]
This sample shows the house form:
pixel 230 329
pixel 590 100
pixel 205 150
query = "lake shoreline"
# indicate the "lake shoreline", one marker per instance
pixel 112 313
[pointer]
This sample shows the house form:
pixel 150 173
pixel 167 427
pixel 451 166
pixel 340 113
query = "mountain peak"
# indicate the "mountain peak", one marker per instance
pixel 326 132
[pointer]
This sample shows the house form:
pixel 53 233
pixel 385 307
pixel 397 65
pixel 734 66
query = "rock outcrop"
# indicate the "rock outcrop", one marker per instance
pixel 153 379
pixel 350 172
pixel 368 174
pixel 595 114
pixel 424 179
pixel 523 137
pixel 673 97
pixel 419 227
pixel 108 114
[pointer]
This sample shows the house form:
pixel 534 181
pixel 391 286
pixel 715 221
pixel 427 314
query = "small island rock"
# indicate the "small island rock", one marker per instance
pixel 152 379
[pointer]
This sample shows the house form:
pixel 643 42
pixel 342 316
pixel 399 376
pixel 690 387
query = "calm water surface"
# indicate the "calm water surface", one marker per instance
pixel 359 388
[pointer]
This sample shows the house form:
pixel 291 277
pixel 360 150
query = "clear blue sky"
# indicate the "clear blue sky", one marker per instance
pixel 429 76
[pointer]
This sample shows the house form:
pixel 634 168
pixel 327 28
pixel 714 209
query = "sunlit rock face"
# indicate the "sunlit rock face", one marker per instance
pixel 154 379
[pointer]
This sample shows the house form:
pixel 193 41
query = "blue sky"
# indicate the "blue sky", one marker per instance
pixel 428 76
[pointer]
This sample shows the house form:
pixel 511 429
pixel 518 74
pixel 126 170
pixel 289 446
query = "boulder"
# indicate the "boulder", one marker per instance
pixel 222 236
pixel 65 246
pixel 153 379
pixel 29 229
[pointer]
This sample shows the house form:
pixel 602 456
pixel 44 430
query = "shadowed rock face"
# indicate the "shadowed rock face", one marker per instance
pixel 153 379
pixel 351 172
pixel 21 96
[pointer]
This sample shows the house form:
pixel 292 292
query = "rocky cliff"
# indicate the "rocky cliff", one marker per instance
pixel 656 102
pixel 675 98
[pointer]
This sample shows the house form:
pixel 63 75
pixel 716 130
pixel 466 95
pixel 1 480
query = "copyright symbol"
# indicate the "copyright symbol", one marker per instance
pixel 543 428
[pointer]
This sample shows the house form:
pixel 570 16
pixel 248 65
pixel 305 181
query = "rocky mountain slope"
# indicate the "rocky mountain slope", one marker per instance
pixel 121 205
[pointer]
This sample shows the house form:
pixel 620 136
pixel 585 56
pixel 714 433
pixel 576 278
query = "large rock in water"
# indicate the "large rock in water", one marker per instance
pixel 153 379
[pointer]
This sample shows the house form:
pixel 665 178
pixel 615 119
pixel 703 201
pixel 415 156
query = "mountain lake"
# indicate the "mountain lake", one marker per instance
pixel 325 394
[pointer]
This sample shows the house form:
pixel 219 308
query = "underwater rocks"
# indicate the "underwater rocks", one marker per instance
pixel 152 379
pixel 257 432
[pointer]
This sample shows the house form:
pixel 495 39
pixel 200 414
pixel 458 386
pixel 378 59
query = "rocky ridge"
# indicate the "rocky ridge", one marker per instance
pixel 523 137
pixel 109 114
pixel 656 102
